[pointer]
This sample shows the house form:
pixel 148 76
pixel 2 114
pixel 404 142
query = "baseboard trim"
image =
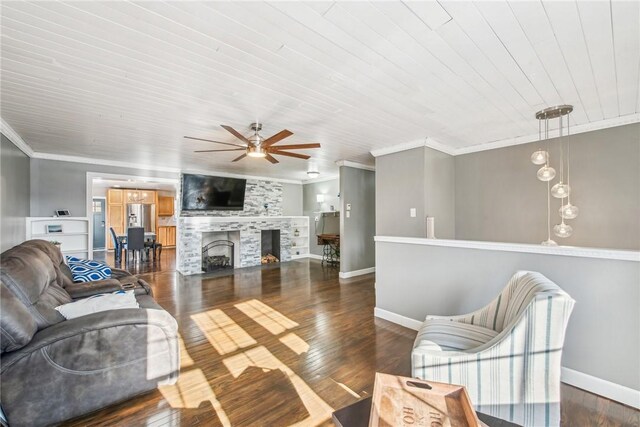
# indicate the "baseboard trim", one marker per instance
pixel 348 274
pixel 314 256
pixel 613 391
pixel 407 322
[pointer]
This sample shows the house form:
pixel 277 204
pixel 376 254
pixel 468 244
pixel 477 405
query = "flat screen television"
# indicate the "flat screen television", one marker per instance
pixel 212 193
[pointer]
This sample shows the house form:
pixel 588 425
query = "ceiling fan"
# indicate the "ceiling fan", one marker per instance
pixel 257 146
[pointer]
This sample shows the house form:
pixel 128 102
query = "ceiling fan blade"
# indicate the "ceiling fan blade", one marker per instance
pixel 214 151
pixel 296 146
pixel 217 142
pixel 277 137
pixel 271 159
pixel 236 134
pixel 286 153
pixel 239 157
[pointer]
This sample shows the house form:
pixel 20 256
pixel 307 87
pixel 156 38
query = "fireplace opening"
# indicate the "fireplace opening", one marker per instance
pixel 270 246
pixel 218 255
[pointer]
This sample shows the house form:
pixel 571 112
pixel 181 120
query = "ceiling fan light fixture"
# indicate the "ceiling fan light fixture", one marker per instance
pixel 256 152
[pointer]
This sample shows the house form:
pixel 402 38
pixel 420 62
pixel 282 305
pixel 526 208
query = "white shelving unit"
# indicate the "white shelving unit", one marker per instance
pixel 300 243
pixel 74 238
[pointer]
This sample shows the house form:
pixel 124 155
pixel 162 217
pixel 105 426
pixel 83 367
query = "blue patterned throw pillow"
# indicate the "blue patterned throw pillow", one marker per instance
pixel 84 270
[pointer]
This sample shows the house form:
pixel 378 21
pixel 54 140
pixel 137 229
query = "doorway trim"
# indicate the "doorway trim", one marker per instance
pixel 89 194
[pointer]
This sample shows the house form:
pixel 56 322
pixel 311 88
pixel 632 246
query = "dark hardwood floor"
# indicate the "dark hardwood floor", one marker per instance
pixel 281 346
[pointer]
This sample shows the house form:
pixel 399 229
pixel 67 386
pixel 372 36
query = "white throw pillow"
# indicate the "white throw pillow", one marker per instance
pixel 101 302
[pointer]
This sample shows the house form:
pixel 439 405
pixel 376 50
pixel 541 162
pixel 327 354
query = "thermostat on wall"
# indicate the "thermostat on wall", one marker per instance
pixel 62 212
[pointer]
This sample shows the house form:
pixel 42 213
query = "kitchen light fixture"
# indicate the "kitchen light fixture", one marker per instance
pixel 312 171
pixel 546 173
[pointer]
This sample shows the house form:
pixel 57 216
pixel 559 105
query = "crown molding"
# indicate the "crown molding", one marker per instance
pixel 142 167
pixel 323 179
pixel 436 145
pixel 418 143
pixel 16 139
pixel 355 165
pixel 399 147
pixel 586 127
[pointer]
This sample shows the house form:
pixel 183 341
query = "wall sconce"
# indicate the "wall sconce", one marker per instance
pixel 320 198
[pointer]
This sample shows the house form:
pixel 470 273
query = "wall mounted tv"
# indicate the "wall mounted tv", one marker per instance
pixel 212 193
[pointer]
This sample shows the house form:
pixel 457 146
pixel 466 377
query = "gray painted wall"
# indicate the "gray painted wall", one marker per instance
pixel 63 185
pixel 439 192
pixel 421 178
pixel 326 224
pixel 14 197
pixel 499 198
pixel 603 337
pixel 357 247
pixel 400 181
pixel 292 199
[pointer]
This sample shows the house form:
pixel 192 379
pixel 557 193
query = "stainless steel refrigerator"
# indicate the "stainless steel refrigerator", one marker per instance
pixel 142 215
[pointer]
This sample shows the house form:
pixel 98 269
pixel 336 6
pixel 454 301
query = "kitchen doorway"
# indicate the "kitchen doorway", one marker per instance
pixel 99 223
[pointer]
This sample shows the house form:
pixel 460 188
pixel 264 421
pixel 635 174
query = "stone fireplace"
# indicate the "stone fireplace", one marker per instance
pixel 249 236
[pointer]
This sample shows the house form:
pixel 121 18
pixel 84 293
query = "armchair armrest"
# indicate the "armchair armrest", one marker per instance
pixel 87 289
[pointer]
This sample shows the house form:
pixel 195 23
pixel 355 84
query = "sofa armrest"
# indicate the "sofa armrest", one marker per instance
pixel 87 289
pixel 106 357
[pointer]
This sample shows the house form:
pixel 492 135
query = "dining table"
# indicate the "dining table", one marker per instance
pixel 149 236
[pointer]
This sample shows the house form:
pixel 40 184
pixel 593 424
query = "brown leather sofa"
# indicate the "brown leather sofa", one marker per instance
pixel 52 369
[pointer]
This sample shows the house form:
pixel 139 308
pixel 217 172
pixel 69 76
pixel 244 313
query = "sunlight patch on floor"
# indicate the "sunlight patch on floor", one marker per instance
pixel 225 335
pixel 295 343
pixel 346 388
pixel 185 359
pixel 260 357
pixel 270 319
pixel 190 391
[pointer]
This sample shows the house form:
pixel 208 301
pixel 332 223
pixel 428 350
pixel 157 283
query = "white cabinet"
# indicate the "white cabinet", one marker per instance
pixel 299 237
pixel 71 232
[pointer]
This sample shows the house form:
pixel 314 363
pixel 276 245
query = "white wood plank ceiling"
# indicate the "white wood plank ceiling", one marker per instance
pixel 125 81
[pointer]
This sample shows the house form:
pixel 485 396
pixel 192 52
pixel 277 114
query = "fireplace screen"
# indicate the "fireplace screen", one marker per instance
pixel 217 255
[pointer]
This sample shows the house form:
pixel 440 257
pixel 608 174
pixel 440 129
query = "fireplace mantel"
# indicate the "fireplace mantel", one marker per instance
pixel 191 228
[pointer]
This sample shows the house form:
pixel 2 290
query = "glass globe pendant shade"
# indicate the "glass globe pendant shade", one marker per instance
pixel 569 211
pixel 562 230
pixel 560 190
pixel 546 173
pixel 540 157
pixel 549 242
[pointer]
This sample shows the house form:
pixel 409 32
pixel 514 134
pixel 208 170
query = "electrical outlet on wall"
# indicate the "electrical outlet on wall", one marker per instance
pixel 412 212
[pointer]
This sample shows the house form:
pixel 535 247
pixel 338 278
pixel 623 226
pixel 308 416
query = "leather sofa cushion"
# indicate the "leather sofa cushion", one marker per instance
pixel 63 273
pixel 30 275
pixel 17 326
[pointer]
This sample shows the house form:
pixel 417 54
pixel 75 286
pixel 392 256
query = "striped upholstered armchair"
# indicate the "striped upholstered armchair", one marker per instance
pixel 507 354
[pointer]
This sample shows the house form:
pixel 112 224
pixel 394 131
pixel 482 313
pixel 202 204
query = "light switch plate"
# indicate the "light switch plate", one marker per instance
pixel 348 206
pixel 412 212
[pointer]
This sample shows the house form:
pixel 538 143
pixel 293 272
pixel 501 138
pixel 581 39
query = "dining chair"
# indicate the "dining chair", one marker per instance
pixel 135 242
pixel 117 246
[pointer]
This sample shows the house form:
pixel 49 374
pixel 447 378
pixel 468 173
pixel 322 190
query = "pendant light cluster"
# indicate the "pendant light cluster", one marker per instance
pixel 562 189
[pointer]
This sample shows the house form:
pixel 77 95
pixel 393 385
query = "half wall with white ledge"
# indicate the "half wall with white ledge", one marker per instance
pixel 418 276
